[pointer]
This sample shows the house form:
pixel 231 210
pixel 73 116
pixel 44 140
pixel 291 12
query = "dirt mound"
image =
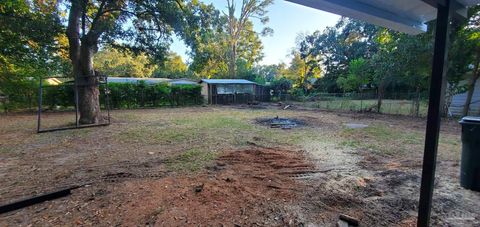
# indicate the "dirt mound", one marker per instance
pixel 249 187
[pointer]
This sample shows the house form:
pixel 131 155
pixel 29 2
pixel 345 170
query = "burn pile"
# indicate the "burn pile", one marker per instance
pixel 278 122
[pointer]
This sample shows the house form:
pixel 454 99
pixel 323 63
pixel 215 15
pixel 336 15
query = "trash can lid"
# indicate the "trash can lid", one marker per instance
pixel 470 120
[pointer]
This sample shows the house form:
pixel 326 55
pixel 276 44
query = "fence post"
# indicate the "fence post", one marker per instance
pixel 143 96
pixel 361 102
pixel 75 84
pixel 412 100
pixel 390 108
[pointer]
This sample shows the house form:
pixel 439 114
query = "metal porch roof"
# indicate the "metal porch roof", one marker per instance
pixel 407 16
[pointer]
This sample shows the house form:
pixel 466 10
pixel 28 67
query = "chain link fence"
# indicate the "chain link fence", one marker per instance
pixel 410 104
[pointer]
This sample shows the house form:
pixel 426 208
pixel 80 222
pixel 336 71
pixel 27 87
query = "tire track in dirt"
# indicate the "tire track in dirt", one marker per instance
pixel 254 187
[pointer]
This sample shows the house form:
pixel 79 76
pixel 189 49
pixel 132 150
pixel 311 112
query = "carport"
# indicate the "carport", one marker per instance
pixel 410 16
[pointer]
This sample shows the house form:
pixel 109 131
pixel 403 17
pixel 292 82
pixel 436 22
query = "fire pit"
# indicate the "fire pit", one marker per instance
pixel 283 123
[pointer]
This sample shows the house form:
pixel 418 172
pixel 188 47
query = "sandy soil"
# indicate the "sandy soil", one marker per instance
pixel 267 177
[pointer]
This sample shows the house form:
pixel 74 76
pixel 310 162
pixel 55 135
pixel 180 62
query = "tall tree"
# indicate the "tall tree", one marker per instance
pixel 31 47
pixel 415 54
pixel 471 34
pixel 311 61
pixel 459 65
pixel 237 25
pixel 337 46
pixel 151 22
pixel 211 52
pixel 301 70
pixel 385 66
pixel 249 46
pixel 173 67
pixel 359 74
pixel 267 72
pixel 117 63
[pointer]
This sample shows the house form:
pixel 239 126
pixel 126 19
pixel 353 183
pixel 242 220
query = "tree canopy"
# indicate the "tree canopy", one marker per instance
pixel 142 27
pixel 173 67
pixel 32 46
pixel 116 63
pixel 80 38
pixel 231 47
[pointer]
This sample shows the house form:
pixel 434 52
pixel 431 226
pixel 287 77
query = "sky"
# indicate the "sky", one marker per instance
pixel 286 19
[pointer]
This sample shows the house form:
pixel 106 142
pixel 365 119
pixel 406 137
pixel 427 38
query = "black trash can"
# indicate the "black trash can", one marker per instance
pixel 470 164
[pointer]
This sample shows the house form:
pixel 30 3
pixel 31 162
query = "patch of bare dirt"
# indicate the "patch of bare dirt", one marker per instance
pixel 255 187
pixel 250 187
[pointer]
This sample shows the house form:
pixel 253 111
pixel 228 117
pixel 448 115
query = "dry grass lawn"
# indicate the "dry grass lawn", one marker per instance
pixel 220 166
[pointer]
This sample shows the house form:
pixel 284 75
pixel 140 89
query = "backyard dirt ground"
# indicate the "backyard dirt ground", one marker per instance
pixel 223 166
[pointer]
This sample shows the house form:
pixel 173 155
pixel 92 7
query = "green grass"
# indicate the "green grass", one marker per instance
pixel 153 135
pixel 402 107
pixel 183 129
pixel 190 160
pixel 191 138
pixel 382 139
pixel 5 148
pixel 230 128
pixel 395 141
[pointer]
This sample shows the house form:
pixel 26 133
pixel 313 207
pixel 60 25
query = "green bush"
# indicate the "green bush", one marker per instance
pixel 280 86
pixel 129 95
pixel 122 95
pixel 58 96
pixel 186 95
pixel 18 94
pixel 297 94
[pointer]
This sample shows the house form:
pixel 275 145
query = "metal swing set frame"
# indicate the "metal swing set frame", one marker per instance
pixel 102 80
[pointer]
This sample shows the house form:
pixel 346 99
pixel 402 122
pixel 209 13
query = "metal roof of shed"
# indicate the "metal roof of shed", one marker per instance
pixel 226 81
pixel 134 80
pixel 407 16
pixel 182 82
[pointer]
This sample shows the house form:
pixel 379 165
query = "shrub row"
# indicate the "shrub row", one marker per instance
pixel 121 95
pixel 15 95
pixel 126 95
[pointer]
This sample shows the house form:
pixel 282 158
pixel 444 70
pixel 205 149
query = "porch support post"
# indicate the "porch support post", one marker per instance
pixel 434 112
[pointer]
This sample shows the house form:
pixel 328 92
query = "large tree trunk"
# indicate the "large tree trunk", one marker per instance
pixel 233 61
pixel 380 93
pixel 468 101
pixel 233 32
pixel 87 84
pixel 471 86
pixel 81 51
pixel 417 101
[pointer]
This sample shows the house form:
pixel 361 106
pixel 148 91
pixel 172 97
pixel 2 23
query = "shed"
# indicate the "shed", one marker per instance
pixel 458 102
pixel 232 91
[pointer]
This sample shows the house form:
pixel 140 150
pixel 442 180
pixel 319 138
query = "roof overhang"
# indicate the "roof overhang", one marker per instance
pixel 409 16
